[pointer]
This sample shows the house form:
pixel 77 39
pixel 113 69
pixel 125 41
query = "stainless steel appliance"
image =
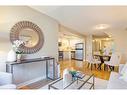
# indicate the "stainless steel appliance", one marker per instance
pixel 79 51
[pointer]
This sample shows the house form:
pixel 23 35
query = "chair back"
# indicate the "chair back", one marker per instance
pixel 115 59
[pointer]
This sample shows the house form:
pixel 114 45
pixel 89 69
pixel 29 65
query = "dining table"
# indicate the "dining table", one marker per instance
pixel 102 59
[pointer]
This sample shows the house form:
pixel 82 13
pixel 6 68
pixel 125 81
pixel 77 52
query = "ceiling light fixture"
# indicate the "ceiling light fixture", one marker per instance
pixel 101 26
pixel 109 36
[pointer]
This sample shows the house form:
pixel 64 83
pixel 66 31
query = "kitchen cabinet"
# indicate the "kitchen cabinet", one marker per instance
pixel 72 54
pixel 66 55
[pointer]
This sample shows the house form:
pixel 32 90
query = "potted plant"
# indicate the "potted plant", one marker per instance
pixel 16 46
pixel 19 55
pixel 101 51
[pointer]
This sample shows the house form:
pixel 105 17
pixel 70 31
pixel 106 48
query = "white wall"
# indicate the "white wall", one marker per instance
pixel 11 15
pixel 2 61
pixel 120 39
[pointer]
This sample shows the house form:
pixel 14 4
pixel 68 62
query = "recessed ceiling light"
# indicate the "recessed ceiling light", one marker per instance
pixel 101 26
pixel 109 36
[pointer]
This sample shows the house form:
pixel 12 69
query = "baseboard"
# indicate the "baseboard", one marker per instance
pixel 30 82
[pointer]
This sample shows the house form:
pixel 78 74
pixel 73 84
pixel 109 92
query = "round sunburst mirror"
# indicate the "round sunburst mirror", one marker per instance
pixel 29 33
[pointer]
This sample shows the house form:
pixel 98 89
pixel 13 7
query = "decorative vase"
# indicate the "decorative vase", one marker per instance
pixel 67 77
pixel 11 57
pixel 19 57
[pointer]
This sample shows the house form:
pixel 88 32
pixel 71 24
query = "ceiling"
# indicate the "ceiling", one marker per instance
pixel 68 35
pixel 83 19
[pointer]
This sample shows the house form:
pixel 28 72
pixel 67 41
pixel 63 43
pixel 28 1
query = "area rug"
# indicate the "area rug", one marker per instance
pixel 99 84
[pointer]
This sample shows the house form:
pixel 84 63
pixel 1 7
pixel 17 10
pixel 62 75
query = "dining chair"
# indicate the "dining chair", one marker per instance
pixel 114 61
pixel 92 62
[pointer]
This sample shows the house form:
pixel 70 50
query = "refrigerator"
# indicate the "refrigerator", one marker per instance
pixel 79 51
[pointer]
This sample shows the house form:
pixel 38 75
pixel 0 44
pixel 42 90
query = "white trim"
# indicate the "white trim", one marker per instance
pixel 30 81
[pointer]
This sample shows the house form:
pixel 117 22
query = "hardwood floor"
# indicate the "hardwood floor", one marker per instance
pixel 74 65
pixel 36 85
pixel 83 66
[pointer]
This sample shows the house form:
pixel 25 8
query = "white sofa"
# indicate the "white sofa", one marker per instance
pixel 115 82
pixel 6 81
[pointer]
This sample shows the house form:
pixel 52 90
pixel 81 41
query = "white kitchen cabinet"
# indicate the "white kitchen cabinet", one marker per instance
pixel 67 55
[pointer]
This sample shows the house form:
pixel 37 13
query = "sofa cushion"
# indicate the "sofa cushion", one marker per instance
pixel 123 70
pixel 5 78
pixel 8 86
pixel 124 76
pixel 115 82
pixel 120 68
